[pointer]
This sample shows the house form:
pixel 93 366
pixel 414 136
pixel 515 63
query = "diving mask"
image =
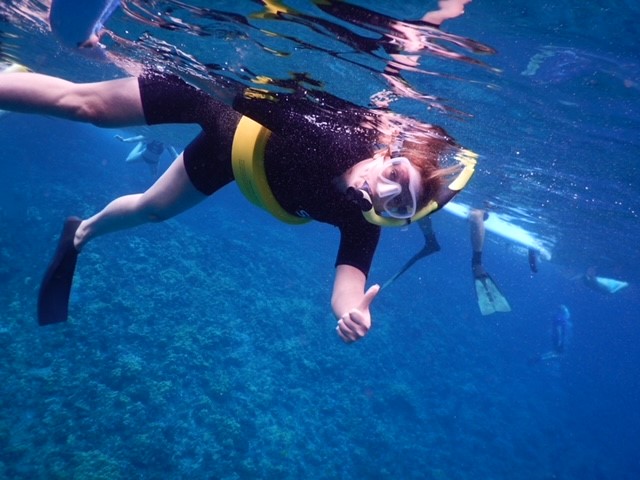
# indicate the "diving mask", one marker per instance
pixel 398 185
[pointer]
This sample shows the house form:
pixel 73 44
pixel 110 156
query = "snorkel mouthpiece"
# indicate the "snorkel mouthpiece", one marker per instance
pixel 360 197
pixel 445 194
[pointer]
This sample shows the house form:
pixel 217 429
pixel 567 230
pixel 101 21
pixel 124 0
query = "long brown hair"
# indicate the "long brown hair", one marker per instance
pixel 431 150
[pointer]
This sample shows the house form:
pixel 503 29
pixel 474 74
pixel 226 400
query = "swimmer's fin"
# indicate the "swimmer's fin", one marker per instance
pixel 428 249
pixel 490 298
pixel 610 285
pixel 53 299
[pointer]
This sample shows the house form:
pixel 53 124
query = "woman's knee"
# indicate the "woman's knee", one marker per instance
pixel 158 216
pixel 105 104
pixel 154 212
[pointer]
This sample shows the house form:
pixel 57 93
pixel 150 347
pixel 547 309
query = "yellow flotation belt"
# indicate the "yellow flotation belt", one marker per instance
pixel 247 160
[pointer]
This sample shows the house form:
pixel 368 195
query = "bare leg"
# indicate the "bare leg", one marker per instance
pixel 476 219
pixel 171 194
pixel 476 222
pixel 114 103
pixel 135 155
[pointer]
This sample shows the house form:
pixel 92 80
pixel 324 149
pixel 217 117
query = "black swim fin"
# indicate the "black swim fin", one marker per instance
pixel 490 298
pixel 53 299
pixel 428 249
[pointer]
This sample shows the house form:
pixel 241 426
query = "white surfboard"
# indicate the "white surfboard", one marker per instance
pixel 499 225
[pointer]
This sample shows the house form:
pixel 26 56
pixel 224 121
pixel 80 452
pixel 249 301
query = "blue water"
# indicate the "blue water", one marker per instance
pixel 204 347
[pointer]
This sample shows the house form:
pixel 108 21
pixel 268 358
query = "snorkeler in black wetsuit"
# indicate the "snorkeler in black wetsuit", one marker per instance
pixel 560 331
pixel 329 138
pixel 301 155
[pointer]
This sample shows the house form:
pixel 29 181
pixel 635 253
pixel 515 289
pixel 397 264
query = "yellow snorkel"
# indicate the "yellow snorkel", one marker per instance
pixel 466 157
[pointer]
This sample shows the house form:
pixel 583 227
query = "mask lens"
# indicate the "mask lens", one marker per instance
pixel 398 185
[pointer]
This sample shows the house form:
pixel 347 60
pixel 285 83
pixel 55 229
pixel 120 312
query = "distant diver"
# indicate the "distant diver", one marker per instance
pixel 147 151
pixel 560 330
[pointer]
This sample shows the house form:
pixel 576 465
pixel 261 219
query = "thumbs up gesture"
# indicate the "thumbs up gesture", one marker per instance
pixel 355 324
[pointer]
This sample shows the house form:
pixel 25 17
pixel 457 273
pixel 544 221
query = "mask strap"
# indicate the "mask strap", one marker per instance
pixel 447 192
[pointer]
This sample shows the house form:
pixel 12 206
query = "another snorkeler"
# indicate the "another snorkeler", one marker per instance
pixel 147 151
pixel 490 298
pixel 602 284
pixel 560 330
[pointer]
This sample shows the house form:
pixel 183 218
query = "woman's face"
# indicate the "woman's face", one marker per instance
pixel 395 186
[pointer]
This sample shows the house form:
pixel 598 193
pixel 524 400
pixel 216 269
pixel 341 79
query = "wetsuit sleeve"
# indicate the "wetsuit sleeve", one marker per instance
pixel 357 246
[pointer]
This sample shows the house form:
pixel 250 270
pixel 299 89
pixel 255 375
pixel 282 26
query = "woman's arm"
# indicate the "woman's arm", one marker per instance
pixel 350 303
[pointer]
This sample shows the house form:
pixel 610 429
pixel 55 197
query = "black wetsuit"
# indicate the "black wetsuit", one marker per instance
pixel 314 141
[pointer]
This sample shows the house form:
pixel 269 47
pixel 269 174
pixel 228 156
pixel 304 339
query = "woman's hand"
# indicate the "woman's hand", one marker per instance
pixel 355 324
